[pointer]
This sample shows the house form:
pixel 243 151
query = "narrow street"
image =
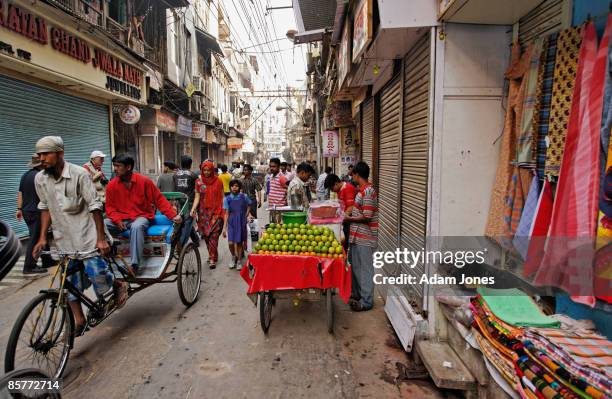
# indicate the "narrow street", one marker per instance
pixel 155 347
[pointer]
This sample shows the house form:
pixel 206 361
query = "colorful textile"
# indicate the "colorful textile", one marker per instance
pixel 211 229
pixel 502 363
pixel 515 199
pixel 527 133
pixel 501 207
pixel 606 122
pixel 515 308
pixel 566 66
pixel 543 101
pixel 211 190
pixel 539 230
pixel 523 232
pixel 573 225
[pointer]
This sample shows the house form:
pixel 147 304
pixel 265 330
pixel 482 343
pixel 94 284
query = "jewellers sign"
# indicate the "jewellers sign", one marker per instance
pixel 331 143
pixel 362 28
pixel 121 77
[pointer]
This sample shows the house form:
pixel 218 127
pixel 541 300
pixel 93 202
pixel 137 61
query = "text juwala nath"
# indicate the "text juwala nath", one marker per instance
pixel 413 258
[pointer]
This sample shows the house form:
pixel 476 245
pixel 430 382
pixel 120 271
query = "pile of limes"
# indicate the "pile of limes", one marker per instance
pixel 299 239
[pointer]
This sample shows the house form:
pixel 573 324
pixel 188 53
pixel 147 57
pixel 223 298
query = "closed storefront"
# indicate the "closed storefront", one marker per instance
pixel 29 112
pixel 367 133
pixel 543 20
pixel 388 164
pixel 415 154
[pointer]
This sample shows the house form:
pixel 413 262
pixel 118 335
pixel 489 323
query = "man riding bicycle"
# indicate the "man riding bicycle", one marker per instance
pixel 68 198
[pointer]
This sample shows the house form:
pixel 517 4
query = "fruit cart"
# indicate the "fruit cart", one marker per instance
pixel 281 268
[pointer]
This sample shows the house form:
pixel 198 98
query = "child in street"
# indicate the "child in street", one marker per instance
pixel 237 214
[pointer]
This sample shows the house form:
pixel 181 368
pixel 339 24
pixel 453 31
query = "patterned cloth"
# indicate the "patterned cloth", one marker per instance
pixel 515 199
pixel 277 192
pixel 543 101
pixel 523 233
pixel 502 196
pixel 527 133
pixel 251 186
pixel 566 65
pixel 366 205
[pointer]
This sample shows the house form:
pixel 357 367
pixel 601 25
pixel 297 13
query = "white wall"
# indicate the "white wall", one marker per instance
pixel 469 119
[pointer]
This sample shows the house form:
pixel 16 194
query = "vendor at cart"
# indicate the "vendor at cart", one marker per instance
pixel 298 190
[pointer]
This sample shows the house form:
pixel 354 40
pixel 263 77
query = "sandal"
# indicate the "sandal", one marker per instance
pixel 121 294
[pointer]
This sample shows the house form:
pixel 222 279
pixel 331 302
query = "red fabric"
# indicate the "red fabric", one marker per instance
pixel 214 189
pixel 288 272
pixel 140 199
pixel 347 195
pixel 568 259
pixel 539 231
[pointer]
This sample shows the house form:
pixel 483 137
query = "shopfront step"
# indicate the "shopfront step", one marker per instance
pixel 445 368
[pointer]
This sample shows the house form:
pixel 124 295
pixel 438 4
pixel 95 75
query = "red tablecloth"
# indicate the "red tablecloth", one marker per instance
pixel 288 272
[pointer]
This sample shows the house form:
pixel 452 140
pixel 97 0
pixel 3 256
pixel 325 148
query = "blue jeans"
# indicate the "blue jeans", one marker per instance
pixel 361 258
pixel 96 272
pixel 138 229
pixel 188 231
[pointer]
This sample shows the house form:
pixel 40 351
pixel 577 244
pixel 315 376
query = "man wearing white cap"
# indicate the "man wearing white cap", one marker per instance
pixel 69 204
pixel 94 168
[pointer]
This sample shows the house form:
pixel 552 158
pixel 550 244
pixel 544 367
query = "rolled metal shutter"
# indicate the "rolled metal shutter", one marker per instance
pixel 543 20
pixel 415 155
pixel 367 132
pixel 388 165
pixel 29 112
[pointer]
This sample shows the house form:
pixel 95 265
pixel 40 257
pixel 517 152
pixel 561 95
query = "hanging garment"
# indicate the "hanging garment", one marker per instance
pixel 539 230
pixel 527 133
pixel 521 239
pixel 568 47
pixel 568 261
pixel 543 101
pixel 606 121
pixel 497 221
pixel 515 199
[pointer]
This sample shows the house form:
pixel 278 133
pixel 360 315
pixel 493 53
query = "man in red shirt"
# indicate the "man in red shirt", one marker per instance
pixel 346 195
pixel 131 200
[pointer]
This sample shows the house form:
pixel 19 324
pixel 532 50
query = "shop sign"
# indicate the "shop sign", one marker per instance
pixel 210 136
pixel 166 122
pixel 129 115
pixel 344 54
pixel 184 126
pixel 234 143
pixel 197 131
pixel 362 28
pixel 331 144
pixel 121 77
pixel 342 115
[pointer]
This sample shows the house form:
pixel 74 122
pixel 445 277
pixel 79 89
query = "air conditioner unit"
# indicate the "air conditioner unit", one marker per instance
pixel 198 82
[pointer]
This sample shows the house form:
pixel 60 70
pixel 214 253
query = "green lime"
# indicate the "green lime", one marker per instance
pixel 284 248
pixel 331 250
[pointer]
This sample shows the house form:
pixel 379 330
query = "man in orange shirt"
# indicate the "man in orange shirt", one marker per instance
pixel 131 200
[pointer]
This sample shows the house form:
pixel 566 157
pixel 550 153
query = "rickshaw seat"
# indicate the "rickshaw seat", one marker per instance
pixel 160 226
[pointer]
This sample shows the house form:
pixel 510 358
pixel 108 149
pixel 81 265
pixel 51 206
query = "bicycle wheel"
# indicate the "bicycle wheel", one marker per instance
pixel 24 374
pixel 265 310
pixel 41 337
pixel 189 274
pixel 329 307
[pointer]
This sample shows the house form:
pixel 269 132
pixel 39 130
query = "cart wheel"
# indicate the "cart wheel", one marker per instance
pixel 329 307
pixel 266 301
pixel 189 274
pixel 41 337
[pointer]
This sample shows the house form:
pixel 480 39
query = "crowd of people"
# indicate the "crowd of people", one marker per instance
pixel 82 206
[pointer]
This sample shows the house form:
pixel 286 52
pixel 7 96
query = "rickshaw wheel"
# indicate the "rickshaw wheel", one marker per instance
pixel 189 274
pixel 329 307
pixel 265 310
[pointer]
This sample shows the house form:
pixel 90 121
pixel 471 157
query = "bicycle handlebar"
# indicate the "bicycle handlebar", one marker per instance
pixel 72 255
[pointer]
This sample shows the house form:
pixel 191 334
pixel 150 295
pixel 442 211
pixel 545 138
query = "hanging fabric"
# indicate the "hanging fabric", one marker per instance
pixel 543 101
pixel 527 133
pixel 501 204
pixel 539 230
pixel 568 47
pixel 568 261
pixel 523 233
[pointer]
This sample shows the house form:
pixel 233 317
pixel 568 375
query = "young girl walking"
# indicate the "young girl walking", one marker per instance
pixel 237 213
pixel 208 205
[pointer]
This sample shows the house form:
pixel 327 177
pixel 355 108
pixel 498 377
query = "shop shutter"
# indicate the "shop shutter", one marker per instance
pixel 367 132
pixel 29 112
pixel 388 166
pixel 543 20
pixel 415 154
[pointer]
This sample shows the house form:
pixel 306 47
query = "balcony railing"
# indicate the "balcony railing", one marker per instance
pixel 89 10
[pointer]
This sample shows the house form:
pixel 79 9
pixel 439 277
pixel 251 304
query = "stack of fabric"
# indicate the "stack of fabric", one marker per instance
pixel 533 355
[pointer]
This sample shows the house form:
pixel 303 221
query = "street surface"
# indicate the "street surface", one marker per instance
pixel 156 348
